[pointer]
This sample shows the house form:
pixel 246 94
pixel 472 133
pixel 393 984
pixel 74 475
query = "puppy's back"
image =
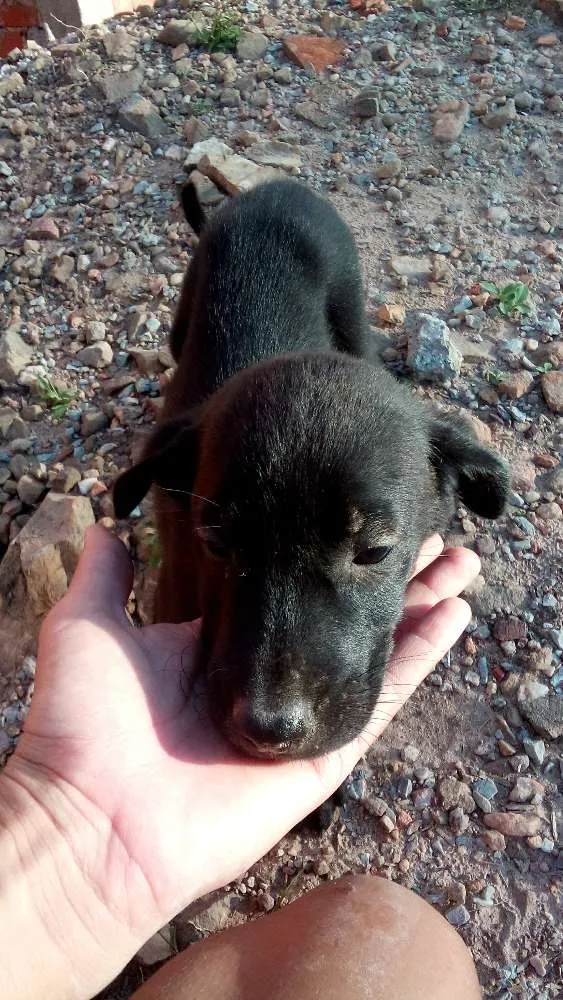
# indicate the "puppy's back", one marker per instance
pixel 271 266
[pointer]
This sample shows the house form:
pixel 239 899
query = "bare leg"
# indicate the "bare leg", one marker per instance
pixel 359 938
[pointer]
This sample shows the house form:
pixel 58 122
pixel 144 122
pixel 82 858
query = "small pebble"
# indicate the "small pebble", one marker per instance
pixel 535 749
pixel 487 898
pixel 538 965
pixel 458 917
pixel 404 788
pixel 485 787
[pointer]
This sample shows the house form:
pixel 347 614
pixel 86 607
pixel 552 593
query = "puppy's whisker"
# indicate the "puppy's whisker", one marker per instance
pixel 190 493
pixel 379 715
pixel 389 684
pixel 439 554
pixel 216 670
pixel 187 685
pixel 174 517
pixel 365 742
pixel 413 658
pixel 405 687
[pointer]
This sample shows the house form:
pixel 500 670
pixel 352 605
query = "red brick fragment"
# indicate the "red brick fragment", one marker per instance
pixel 313 50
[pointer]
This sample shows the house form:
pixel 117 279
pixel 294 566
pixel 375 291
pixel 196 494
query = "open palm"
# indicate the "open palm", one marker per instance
pixel 172 811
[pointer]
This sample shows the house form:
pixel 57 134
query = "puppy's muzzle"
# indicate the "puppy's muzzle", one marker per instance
pixel 264 731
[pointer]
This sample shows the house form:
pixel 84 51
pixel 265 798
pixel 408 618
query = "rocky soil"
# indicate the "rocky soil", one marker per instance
pixel 436 128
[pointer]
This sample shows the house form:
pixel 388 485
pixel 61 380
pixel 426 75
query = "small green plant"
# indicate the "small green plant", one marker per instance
pixel 513 298
pixel 473 6
pixel 545 367
pixel 494 375
pixel 152 545
pixel 483 6
pixel 199 106
pixel 57 400
pixel 223 33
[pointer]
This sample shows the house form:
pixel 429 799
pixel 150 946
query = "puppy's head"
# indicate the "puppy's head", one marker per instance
pixel 314 480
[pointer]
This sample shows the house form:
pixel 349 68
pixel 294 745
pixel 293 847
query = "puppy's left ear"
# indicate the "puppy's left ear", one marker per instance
pixel 168 460
pixel 195 216
pixel 464 466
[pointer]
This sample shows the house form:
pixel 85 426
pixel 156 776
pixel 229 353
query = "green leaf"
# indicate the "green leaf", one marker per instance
pixel 55 399
pixel 513 298
pixel 59 410
pixel 494 375
pixel 222 35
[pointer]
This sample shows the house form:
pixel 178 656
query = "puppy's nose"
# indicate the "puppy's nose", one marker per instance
pixel 272 729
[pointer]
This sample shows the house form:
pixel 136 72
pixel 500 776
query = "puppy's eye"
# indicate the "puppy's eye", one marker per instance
pixel 369 557
pixel 214 542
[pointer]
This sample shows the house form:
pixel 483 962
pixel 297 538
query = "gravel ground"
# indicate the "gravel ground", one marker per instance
pixel 437 131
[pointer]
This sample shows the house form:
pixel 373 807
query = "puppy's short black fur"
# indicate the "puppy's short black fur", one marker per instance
pixel 295 480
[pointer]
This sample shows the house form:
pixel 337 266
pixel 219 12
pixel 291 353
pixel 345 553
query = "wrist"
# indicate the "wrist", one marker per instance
pixel 60 938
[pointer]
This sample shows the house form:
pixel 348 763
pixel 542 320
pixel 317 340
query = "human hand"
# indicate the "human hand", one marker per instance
pixel 156 808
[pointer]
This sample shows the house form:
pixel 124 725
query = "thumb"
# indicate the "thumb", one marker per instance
pixel 104 576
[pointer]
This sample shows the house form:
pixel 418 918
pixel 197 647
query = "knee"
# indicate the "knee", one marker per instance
pixel 400 938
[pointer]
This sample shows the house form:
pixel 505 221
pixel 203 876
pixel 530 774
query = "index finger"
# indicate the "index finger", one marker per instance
pixel 447 576
pixel 430 550
pixel 104 576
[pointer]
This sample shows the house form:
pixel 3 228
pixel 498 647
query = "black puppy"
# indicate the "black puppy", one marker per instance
pixel 295 480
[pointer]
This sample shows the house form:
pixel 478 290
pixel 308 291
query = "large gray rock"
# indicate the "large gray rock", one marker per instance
pixel 95 332
pixel 513 824
pixel 14 355
pixel 414 269
pixel 93 421
pixel 137 114
pixel 97 355
pixel 206 916
pixel 62 268
pixel 307 111
pixel 252 45
pixel 36 571
pixel 213 149
pixel 30 489
pixel 552 389
pixel 120 45
pixel 273 153
pixel 158 948
pixel 366 103
pixel 208 195
pixel 178 32
pixel 11 84
pixel 432 356
pixel 116 87
pixel 501 116
pixel 235 173
pixel 545 715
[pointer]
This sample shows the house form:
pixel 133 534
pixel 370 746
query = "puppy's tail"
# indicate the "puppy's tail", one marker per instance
pixel 192 208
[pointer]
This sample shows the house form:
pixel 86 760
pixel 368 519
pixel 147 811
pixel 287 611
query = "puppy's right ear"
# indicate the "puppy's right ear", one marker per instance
pixel 169 460
pixel 465 467
pixel 193 211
